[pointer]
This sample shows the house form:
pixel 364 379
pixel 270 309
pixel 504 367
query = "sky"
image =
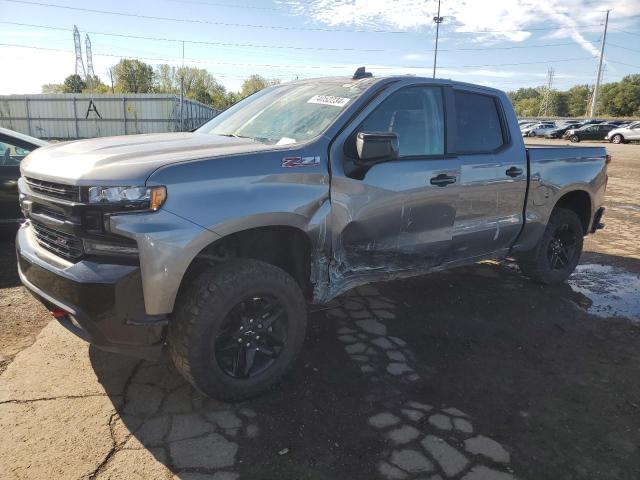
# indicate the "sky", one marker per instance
pixel 505 44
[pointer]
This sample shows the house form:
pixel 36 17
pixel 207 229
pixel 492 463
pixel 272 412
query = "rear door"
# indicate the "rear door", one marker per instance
pixel 493 176
pixel 397 215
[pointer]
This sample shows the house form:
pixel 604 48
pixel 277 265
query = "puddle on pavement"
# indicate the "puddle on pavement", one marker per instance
pixel 614 292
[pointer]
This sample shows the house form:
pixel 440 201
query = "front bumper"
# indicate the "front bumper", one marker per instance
pixel 104 302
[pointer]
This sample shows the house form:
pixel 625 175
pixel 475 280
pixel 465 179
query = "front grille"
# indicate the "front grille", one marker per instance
pixel 51 189
pixel 62 244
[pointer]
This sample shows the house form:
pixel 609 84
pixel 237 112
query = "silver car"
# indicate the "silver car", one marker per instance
pixel 628 133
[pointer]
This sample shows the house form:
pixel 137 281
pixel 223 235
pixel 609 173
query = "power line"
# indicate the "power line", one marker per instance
pixel 626 48
pixel 231 64
pixel 193 20
pixel 622 63
pixel 273 27
pixel 626 31
pixel 224 5
pixel 292 47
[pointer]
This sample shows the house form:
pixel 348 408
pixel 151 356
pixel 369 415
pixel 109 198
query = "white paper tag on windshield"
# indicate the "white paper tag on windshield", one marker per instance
pixel 329 100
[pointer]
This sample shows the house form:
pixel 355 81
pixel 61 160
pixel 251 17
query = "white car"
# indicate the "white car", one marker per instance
pixel 625 134
pixel 536 129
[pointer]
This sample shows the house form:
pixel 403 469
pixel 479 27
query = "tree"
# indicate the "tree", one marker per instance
pixel 53 88
pixel 199 85
pixel 74 84
pixel 96 86
pixel 254 84
pixel 621 98
pixel 578 100
pixel 133 76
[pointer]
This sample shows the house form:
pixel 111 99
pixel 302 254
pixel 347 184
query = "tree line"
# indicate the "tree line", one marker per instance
pixel 134 76
pixel 615 99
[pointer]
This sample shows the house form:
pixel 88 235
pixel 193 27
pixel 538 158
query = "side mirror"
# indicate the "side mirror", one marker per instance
pixel 376 147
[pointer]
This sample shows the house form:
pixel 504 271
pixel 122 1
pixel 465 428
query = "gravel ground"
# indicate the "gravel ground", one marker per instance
pixel 471 374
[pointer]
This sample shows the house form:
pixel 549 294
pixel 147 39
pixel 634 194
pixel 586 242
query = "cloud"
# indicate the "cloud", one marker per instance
pixel 488 20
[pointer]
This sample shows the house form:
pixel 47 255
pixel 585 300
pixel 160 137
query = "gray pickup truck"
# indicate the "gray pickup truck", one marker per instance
pixel 211 244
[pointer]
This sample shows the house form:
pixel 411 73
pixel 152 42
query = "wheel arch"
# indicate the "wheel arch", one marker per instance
pixel 283 245
pixel 580 202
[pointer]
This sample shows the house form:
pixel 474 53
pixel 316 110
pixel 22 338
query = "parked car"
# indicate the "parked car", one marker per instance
pixel 558 132
pixel 628 133
pixel 14 146
pixel 540 128
pixel 597 131
pixel 212 243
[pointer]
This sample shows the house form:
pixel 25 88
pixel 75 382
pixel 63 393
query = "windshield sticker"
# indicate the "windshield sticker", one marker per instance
pixel 329 100
pixel 291 162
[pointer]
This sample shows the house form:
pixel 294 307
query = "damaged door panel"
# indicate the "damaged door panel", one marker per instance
pixel 397 215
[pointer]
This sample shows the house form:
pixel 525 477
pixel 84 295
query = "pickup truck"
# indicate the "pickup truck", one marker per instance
pixel 211 244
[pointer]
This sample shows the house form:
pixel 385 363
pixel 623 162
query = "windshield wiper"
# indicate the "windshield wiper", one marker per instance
pixel 234 135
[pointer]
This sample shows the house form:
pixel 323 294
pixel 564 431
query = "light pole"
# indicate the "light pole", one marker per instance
pixel 437 20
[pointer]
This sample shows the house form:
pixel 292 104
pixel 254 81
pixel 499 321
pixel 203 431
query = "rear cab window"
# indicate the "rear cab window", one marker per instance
pixel 479 123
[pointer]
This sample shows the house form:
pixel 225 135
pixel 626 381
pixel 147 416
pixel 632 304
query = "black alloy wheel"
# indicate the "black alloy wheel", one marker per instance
pixel 562 248
pixel 251 337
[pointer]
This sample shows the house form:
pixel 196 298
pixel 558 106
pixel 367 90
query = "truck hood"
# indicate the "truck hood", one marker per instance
pixel 127 159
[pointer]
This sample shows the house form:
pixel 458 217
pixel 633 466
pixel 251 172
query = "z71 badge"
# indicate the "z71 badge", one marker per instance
pixel 290 162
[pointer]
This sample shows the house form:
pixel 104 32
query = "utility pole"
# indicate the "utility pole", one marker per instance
pixel 182 92
pixel 594 99
pixel 437 20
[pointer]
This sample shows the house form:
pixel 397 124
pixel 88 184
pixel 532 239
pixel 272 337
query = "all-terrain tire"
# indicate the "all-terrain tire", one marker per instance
pixel 200 312
pixel 536 263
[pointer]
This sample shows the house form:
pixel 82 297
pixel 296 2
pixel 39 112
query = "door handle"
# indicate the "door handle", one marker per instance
pixel 514 172
pixel 443 180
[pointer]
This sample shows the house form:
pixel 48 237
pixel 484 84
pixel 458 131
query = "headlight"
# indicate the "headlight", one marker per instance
pixel 148 198
pixel 93 247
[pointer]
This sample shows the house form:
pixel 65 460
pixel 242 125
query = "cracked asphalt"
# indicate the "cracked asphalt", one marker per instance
pixel 474 374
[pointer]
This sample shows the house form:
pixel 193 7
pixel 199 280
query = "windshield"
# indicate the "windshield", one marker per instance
pixel 285 114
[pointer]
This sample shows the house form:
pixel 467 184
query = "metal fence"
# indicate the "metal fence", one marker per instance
pixel 73 116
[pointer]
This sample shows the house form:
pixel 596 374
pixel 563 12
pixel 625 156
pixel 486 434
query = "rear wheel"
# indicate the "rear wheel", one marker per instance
pixel 574 138
pixel 237 329
pixel 617 138
pixel 558 252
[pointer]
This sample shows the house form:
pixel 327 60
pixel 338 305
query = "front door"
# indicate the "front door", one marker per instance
pixel 396 216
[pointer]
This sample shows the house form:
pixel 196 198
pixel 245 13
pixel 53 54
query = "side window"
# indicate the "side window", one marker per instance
pixel 11 155
pixel 416 115
pixel 479 128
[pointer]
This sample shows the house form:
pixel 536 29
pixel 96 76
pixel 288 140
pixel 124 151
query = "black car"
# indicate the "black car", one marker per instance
pixel 14 146
pixel 589 132
pixel 560 131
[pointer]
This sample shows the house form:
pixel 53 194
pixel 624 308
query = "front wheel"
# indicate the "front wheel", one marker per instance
pixel 574 138
pixel 558 252
pixel 616 139
pixel 237 329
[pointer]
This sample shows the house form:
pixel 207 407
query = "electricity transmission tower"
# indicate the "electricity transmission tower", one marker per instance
pixel 80 71
pixel 90 74
pixel 545 105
